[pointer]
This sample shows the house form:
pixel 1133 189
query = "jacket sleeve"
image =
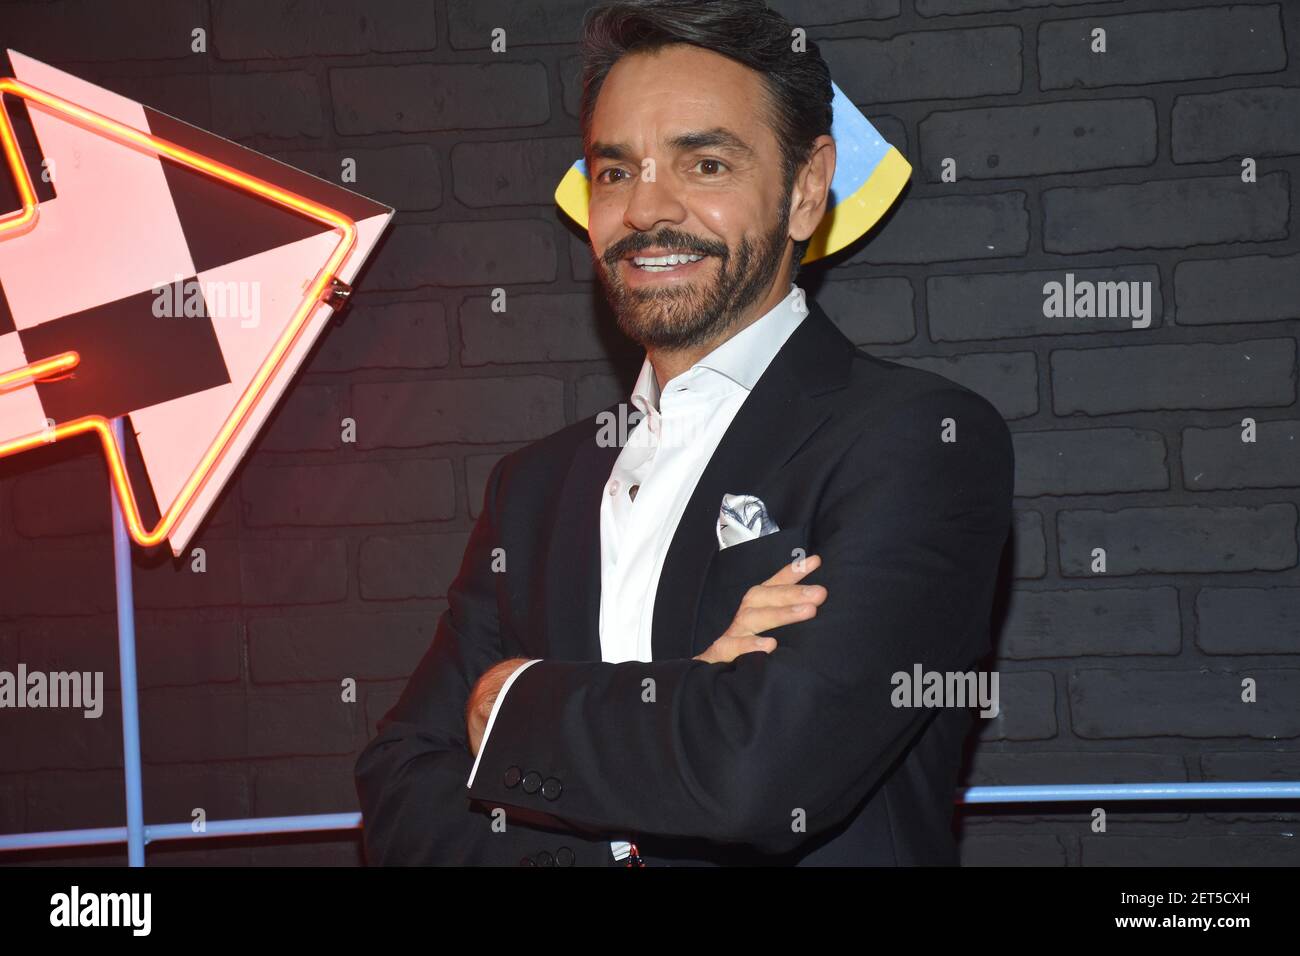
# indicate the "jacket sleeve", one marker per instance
pixel 910 529
pixel 411 778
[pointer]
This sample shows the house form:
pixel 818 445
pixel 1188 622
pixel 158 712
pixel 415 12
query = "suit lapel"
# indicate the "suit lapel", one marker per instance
pixel 780 414
pixel 782 411
pixel 572 598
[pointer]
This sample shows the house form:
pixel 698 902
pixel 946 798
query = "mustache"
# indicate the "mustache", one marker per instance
pixel 669 239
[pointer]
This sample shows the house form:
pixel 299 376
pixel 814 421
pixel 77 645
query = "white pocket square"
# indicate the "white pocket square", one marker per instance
pixel 741 518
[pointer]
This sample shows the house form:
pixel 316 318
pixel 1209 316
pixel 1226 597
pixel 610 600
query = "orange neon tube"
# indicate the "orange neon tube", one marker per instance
pixel 28 374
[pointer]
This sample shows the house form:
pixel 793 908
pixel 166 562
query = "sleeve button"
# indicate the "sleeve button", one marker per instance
pixel 532 781
pixel 551 788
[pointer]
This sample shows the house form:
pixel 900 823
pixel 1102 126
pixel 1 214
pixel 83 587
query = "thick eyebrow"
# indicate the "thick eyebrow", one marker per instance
pixel 719 137
pixel 615 151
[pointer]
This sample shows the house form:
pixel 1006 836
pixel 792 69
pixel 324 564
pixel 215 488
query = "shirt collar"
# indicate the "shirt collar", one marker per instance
pixel 742 358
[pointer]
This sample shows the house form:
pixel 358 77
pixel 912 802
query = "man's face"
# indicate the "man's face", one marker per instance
pixel 684 161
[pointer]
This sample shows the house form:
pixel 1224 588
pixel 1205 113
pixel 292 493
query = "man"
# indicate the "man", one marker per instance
pixel 606 679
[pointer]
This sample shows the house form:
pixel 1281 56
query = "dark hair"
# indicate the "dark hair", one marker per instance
pixel 798 83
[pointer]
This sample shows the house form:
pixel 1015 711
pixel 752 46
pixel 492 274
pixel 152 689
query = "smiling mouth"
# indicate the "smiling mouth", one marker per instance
pixel 667 263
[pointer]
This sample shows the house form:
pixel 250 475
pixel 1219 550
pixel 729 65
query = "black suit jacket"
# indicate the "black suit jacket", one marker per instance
pixel 797 756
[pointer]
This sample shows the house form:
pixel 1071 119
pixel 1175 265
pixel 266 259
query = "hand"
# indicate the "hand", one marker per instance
pixel 778 600
pixel 483 696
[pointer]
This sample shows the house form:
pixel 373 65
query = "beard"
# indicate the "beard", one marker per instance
pixel 684 315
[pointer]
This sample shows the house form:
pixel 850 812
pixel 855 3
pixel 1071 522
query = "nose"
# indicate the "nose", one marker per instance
pixel 652 200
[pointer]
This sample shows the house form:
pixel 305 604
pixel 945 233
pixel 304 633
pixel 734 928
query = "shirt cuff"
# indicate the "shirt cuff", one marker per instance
pixel 493 716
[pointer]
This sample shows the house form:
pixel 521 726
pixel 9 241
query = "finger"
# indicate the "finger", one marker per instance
pixel 756 620
pixel 727 648
pixel 794 570
pixel 774 595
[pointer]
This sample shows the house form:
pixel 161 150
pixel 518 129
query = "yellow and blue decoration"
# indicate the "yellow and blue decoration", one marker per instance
pixel 869 175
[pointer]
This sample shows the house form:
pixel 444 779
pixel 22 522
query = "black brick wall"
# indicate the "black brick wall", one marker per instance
pixel 328 560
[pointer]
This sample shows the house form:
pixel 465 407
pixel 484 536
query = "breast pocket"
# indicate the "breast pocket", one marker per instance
pixel 754 561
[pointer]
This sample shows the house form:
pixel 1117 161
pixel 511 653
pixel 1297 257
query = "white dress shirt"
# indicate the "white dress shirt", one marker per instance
pixel 655 475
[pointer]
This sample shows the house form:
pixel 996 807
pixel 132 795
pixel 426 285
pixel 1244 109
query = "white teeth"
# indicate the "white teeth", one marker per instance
pixel 663 263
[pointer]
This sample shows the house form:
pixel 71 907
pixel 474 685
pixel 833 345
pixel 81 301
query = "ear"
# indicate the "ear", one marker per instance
pixel 811 189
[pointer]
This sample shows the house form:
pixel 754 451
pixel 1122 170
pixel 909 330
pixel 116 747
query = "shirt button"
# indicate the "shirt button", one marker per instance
pixel 613 487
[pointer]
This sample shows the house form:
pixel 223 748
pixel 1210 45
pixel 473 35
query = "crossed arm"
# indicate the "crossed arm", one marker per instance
pixel 411 777
pixel 910 529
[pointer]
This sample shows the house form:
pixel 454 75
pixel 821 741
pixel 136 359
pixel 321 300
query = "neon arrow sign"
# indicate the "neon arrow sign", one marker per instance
pixel 325 289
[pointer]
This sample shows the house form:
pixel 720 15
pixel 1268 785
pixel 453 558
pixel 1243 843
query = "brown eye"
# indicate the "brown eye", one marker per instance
pixel 711 163
pixel 612 169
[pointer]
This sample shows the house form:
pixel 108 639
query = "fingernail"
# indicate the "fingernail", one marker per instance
pixel 799 608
